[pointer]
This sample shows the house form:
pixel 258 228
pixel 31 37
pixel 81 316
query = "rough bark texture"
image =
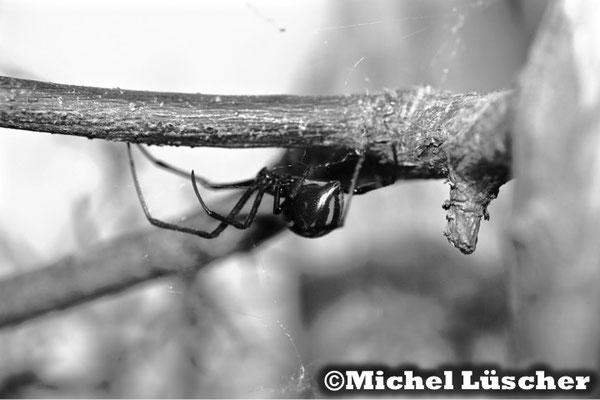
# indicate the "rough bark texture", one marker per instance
pixel 461 137
pixel 556 224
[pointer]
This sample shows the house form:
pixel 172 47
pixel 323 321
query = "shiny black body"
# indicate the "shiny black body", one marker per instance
pixel 315 209
pixel 310 208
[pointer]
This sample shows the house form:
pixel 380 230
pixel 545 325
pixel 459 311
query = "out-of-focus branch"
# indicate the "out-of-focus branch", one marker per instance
pixel 556 220
pixel 461 137
pixel 119 265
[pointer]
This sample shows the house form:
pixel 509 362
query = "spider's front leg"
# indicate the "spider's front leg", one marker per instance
pixel 184 174
pixel 167 225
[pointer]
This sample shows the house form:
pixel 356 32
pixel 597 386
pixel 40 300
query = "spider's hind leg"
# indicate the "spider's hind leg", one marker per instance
pixel 384 177
pixel 352 187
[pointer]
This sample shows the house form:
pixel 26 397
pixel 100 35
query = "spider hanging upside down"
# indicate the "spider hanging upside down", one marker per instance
pixel 311 208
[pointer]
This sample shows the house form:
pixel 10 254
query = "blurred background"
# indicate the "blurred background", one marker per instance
pixel 387 288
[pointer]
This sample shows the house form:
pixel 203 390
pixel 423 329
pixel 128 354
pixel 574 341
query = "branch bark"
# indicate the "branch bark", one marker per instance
pixel 461 137
pixel 121 264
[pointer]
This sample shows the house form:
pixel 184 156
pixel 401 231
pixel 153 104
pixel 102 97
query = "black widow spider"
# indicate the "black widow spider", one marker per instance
pixel 310 208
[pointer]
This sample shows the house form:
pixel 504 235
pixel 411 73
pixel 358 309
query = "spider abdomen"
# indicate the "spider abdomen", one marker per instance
pixel 315 210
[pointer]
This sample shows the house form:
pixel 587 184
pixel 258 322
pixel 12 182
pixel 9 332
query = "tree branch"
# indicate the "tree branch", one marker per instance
pixel 461 137
pixel 119 265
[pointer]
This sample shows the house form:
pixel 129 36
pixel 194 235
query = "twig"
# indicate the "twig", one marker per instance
pixel 119 265
pixel 462 137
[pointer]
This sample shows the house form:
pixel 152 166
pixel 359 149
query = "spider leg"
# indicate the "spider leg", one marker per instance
pixel 395 154
pixel 229 219
pixel 162 224
pixel 346 207
pixel 375 185
pixel 180 172
pixel 277 201
pixel 367 188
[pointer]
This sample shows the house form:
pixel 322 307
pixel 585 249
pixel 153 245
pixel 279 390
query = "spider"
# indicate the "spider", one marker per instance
pixel 310 208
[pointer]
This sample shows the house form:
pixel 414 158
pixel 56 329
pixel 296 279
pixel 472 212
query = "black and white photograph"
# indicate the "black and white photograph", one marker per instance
pixel 299 199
